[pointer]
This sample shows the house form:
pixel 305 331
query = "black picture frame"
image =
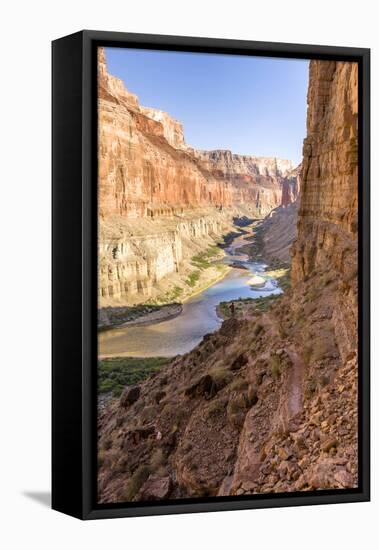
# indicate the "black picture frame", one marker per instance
pixel 74 272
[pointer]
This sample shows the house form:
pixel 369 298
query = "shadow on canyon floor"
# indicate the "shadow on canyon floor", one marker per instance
pixel 242 221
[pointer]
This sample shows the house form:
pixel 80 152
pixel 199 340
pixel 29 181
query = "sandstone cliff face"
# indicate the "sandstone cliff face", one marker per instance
pixel 328 222
pixel 279 233
pixel 279 228
pixel 330 170
pixel 291 187
pixel 147 172
pixel 172 129
pixel 268 403
pixel 133 259
pixel 230 164
pixel 263 183
pixel 144 170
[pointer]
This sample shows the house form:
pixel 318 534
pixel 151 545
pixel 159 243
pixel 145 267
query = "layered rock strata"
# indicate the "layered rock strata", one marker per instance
pixel 147 172
pixel 268 404
pixel 328 216
pixel 262 183
pixel 135 258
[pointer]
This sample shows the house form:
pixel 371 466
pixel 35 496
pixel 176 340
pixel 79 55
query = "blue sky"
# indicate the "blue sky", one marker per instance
pixel 250 105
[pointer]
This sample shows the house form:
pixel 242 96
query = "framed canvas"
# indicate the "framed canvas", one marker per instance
pixel 210 275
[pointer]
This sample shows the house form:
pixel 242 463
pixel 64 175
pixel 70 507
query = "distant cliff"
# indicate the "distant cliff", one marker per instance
pixel 262 183
pixel 279 227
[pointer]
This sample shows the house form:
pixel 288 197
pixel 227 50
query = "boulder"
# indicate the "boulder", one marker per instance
pixel 205 386
pixel 129 396
pixel 155 488
pixel 239 362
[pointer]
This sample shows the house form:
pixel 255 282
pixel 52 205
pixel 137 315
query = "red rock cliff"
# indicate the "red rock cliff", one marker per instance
pixel 261 182
pixel 327 221
pixel 146 169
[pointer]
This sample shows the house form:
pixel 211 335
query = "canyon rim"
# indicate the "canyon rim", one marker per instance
pixel 227 291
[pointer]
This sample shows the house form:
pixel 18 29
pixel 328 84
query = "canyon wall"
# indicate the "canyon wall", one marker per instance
pixel 279 232
pixel 261 183
pixel 134 258
pixel 279 228
pixel 328 215
pixel 141 172
pixel 147 172
pixel 268 404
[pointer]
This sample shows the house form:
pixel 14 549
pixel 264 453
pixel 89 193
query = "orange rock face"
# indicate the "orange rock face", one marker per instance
pixel 146 169
pixel 329 201
pixel 328 215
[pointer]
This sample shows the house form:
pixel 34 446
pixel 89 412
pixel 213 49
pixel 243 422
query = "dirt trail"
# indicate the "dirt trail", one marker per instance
pixel 293 386
pixel 293 391
pixel 295 397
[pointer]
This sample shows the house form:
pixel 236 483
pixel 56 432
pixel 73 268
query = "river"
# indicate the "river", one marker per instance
pixel 199 317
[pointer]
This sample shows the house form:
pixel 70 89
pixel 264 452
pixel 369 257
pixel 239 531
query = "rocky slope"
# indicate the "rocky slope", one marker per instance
pixel 148 173
pixel 279 231
pixel 280 226
pixel 269 402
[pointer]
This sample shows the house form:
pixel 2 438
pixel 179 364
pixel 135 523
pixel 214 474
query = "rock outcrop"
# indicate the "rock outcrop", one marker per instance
pixel 268 404
pixel 279 229
pixel 278 233
pixel 328 216
pixel 134 258
pixel 147 172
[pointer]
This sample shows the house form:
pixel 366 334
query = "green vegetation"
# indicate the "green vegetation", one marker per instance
pixel 217 406
pixel 115 373
pixel 221 376
pixel 264 303
pixel 203 260
pixel 120 315
pixel 173 295
pixel 136 481
pixel 279 363
pixel 193 278
pixel 224 309
pixel 239 384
